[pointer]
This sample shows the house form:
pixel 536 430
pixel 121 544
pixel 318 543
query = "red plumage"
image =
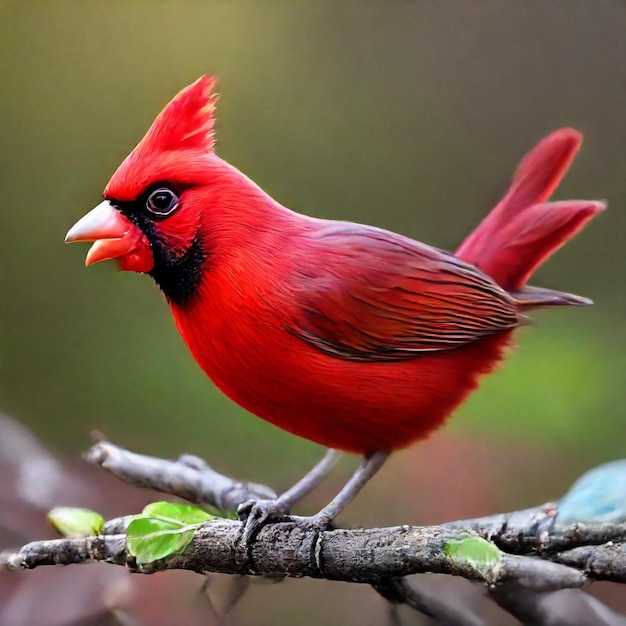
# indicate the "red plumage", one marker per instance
pixel 351 336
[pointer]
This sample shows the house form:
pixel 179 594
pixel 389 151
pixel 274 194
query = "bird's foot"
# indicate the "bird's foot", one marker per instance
pixel 320 521
pixel 257 513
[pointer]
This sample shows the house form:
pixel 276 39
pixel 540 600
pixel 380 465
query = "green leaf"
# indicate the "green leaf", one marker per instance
pixel 176 512
pixel 477 553
pixel 150 539
pixel 163 529
pixel 76 522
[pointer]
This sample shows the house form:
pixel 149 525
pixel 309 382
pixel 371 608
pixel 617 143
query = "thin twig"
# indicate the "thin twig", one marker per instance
pixel 189 477
pixel 399 591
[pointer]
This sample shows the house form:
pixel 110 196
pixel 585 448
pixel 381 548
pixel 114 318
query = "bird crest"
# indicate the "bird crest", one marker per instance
pixel 186 123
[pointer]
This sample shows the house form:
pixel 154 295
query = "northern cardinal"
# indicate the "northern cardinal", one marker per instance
pixel 351 336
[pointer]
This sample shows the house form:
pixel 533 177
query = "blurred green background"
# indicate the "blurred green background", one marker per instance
pixel 407 115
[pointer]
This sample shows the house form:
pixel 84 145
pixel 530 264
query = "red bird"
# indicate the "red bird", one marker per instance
pixel 351 336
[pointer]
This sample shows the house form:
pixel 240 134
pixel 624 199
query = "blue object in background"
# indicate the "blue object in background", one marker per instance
pixel 597 496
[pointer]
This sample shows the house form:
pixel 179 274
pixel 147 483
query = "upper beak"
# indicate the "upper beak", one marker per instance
pixel 115 237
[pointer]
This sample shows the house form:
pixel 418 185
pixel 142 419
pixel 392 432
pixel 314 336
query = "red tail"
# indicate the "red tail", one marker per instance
pixel 524 230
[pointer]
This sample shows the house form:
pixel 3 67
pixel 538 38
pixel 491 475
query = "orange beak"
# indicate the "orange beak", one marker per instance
pixel 114 237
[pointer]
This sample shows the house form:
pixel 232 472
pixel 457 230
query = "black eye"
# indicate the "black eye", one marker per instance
pixel 162 202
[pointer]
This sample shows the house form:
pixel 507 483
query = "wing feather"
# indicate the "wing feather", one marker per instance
pixel 378 296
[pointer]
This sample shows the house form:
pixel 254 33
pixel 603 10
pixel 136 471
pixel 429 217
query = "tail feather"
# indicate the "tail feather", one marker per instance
pixel 524 230
pixel 511 254
pixel 531 297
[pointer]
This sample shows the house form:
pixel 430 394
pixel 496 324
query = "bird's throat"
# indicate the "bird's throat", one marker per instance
pixel 179 278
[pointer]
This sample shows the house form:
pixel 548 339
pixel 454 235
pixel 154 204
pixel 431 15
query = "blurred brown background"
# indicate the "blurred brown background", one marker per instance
pixel 410 115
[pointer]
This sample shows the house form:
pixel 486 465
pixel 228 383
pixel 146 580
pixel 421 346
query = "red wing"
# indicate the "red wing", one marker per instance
pixel 377 296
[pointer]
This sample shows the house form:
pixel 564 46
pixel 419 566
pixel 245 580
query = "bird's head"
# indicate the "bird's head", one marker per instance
pixel 150 219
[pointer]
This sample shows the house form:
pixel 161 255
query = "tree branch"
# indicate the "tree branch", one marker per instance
pixel 538 555
pixel 364 555
pixel 190 477
pixel 536 530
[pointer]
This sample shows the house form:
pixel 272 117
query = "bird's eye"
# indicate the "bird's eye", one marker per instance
pixel 162 201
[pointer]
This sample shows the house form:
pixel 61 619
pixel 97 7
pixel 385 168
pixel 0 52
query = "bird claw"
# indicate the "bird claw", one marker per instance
pixel 255 514
pixel 260 511
pixel 319 522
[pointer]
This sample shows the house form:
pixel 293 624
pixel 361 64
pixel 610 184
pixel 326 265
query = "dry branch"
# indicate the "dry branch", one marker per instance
pixel 538 557
pixel 363 555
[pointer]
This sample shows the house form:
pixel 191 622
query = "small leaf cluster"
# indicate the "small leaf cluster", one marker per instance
pixel 160 530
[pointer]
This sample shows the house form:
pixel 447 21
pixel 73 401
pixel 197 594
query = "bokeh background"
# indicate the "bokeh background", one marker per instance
pixel 409 115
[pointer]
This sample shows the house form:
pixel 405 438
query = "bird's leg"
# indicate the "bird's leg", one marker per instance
pixel 255 513
pixel 368 468
pixel 309 481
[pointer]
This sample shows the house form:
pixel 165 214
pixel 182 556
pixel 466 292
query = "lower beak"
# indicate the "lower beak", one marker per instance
pixel 114 237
